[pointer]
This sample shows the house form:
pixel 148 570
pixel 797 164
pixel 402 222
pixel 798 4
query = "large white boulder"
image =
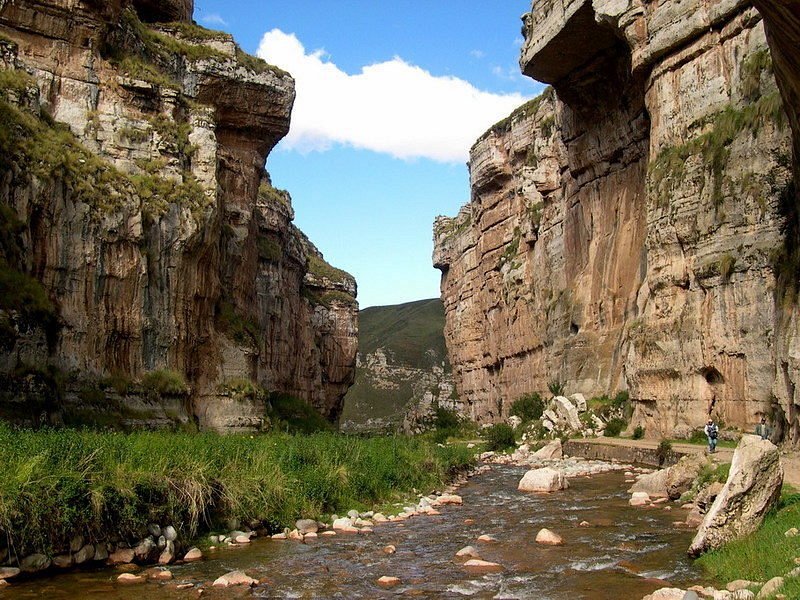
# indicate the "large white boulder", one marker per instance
pixel 579 400
pixel 551 451
pixel 543 480
pixel 567 413
pixel 752 489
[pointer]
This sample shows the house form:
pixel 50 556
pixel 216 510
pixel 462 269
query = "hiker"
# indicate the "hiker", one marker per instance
pixel 711 433
pixel 763 430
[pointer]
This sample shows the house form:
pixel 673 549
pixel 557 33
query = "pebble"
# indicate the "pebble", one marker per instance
pixel 193 554
pixel 388 582
pixel 487 539
pixel 545 536
pixel 328 533
pixel 390 549
pixel 468 551
pixel 235 578
pixel 446 499
pixel 482 566
pixel 130 578
pixel 469 521
pixel 584 524
pixel 791 532
pixel 310 535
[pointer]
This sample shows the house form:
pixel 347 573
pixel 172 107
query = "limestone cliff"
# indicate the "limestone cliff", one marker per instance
pixel 627 229
pixel 151 274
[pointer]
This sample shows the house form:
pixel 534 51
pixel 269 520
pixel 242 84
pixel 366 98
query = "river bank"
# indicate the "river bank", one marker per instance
pixel 73 497
pixel 618 552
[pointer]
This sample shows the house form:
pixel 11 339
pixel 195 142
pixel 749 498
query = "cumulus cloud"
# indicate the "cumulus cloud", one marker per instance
pixel 391 107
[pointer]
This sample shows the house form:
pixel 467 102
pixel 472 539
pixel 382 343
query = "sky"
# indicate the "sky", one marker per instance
pixel 390 97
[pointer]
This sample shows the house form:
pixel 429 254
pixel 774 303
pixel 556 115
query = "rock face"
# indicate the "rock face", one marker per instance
pixel 161 281
pixel 752 489
pixel 402 373
pixel 626 227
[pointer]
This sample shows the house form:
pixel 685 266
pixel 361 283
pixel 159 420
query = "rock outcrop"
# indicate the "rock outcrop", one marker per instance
pixel 629 228
pixel 159 279
pixel 752 489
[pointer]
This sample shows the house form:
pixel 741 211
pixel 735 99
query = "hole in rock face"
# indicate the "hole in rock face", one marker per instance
pixel 713 377
pixel 574 328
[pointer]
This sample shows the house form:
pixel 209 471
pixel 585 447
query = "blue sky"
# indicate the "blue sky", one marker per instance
pixel 390 97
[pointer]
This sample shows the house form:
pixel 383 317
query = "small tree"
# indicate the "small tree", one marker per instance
pixel 499 437
pixel 528 407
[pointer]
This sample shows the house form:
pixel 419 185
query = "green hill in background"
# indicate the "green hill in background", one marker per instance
pixel 401 357
pixel 412 332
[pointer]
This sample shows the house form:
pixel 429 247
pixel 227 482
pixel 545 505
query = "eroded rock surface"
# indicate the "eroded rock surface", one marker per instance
pixel 628 229
pixel 142 221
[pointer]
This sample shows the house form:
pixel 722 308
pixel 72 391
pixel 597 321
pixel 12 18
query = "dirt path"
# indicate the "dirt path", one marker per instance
pixel 790 460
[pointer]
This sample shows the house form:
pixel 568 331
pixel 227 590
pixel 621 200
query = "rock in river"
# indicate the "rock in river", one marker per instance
pixel 543 480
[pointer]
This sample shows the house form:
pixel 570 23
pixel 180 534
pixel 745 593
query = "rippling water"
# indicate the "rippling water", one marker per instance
pixel 619 556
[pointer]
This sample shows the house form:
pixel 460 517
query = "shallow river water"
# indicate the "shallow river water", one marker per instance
pixel 620 555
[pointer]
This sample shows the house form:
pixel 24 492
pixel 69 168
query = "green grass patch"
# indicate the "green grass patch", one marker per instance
pixel 243 330
pixel 318 267
pixel 290 414
pixel 59 483
pixel 165 383
pixel 763 554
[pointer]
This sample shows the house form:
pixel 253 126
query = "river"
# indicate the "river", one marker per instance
pixel 620 555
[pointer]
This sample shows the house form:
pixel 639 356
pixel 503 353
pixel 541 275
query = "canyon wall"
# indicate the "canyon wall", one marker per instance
pixel 628 229
pixel 151 274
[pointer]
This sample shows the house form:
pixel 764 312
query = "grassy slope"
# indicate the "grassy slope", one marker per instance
pixel 409 332
pixel 60 483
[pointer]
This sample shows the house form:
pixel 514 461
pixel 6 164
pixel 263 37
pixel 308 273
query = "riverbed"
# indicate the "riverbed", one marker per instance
pixel 625 552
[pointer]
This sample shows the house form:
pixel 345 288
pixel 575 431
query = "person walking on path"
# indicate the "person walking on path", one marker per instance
pixel 763 430
pixel 711 433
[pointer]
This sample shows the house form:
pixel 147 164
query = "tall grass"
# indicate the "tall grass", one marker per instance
pixel 763 554
pixel 59 483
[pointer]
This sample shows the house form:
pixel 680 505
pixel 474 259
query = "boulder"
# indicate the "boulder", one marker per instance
pixel 514 421
pixel 235 578
pixel 169 533
pixel 682 475
pixel 145 550
pixel 752 489
pixel 551 451
pixel 579 400
pixel 34 563
pixel 543 480
pixel 193 554
pixel 547 537
pixel 653 484
pixel 345 525
pixel 567 413
pixel 86 553
pixel 8 573
pixel 130 578
pixel 771 587
pixel 76 543
pixel 62 561
pixel 639 499
pixel 167 554
pixel 445 499
pixel 121 556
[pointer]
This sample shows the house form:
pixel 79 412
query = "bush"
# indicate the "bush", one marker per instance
pixel 499 437
pixel 528 407
pixel 290 414
pixel 664 452
pixel 165 383
pixel 556 387
pixel 698 437
pixel 614 427
pixel 638 432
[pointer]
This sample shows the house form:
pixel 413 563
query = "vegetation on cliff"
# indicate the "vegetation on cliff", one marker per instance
pixel 67 482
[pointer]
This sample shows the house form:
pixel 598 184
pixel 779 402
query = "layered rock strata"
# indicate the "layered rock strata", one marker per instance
pixel 627 229
pixel 159 278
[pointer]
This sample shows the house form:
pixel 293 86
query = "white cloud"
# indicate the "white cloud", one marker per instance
pixel 214 19
pixel 391 107
pixel 477 54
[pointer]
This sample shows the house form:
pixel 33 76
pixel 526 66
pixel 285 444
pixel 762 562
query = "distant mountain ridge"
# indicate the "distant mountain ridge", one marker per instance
pixel 402 368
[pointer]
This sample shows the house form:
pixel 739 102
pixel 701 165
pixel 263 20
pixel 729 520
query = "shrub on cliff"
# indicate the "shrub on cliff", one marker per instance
pixel 528 407
pixel 165 383
pixel 614 427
